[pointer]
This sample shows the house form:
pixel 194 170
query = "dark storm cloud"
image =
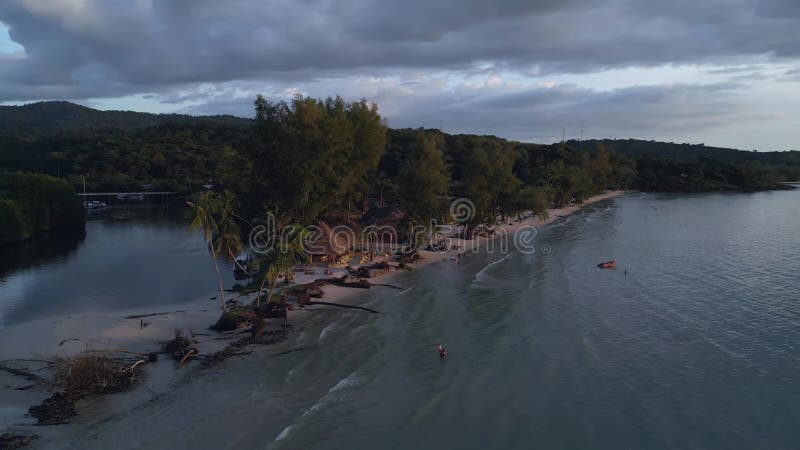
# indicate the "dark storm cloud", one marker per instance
pixel 538 114
pixel 424 61
pixel 92 47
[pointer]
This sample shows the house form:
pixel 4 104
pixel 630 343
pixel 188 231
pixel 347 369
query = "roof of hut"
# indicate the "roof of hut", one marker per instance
pixel 328 242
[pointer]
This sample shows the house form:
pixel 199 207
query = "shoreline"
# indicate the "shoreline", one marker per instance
pixel 65 336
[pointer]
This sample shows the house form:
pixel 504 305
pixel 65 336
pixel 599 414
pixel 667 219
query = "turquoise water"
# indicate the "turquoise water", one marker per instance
pixel 696 346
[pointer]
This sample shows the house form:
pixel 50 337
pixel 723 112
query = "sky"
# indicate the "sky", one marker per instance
pixel 719 72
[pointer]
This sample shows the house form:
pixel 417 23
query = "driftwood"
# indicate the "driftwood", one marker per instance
pixel 127 352
pixel 179 347
pixel 388 285
pixel 344 306
pixel 190 353
pixel 30 376
pixel 140 316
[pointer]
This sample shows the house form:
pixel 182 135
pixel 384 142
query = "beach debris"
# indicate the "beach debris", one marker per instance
pixel 238 348
pixel 235 318
pixel 339 305
pixel 141 316
pixel 191 352
pixel 54 410
pixel 10 441
pixel 90 373
pixel 373 270
pixel 67 340
pixel 21 372
pixel 388 285
pixel 350 281
pixel 180 347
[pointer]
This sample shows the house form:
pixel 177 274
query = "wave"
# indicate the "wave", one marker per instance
pixel 326 330
pixel 351 381
pixel 492 264
pixel 483 276
pixel 284 433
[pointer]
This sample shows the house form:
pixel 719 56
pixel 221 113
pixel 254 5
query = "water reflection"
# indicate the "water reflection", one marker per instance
pixel 130 257
pixel 45 249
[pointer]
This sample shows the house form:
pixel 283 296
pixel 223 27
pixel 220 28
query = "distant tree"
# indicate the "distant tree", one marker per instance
pixel 424 181
pixel 533 199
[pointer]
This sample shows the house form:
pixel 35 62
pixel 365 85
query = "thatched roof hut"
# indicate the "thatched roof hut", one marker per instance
pixel 328 244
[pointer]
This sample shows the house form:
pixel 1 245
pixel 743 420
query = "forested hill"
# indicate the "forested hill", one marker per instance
pixel 637 148
pixel 61 115
pixel 129 151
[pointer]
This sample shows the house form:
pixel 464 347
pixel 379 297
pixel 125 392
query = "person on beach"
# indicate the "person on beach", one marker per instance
pixel 442 352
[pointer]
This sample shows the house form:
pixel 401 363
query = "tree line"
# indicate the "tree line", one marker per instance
pixel 306 157
pixel 32 204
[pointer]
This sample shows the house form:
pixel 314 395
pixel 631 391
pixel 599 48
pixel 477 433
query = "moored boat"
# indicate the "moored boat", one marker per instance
pixel 608 264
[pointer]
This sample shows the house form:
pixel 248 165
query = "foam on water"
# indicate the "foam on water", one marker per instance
pixel 283 434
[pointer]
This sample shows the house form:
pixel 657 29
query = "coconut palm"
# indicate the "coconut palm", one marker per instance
pixel 228 241
pixel 207 208
pixel 280 260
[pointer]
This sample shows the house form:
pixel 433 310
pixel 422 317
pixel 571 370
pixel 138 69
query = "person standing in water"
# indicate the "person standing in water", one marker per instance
pixel 442 352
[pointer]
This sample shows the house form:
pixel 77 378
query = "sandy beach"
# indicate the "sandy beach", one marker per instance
pixel 142 330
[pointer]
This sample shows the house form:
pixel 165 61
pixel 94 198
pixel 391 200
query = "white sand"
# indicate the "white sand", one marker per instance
pixel 69 335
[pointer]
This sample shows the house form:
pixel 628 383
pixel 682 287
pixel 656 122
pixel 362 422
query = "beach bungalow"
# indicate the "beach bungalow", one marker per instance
pixel 328 246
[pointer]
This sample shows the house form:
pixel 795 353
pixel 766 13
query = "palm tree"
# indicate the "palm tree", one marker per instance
pixel 228 240
pixel 281 258
pixel 207 207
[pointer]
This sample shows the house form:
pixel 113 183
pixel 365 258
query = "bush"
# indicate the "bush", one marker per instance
pixel 33 203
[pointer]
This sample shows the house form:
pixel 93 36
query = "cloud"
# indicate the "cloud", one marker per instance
pixel 145 43
pixel 474 65
pixel 533 113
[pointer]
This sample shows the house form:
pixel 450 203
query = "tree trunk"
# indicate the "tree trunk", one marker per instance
pixel 219 278
pixel 272 285
pixel 236 262
pixel 260 289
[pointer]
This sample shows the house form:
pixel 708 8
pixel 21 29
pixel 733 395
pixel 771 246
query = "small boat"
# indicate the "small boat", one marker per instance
pixel 608 264
pixel 95 205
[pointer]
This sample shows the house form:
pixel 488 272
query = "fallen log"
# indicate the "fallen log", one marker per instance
pixel 388 285
pixel 338 305
pixel 30 376
pixel 190 353
pixel 141 316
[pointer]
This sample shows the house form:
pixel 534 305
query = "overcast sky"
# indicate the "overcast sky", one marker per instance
pixel 722 72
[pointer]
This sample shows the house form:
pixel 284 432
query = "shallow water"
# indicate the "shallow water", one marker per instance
pixel 696 346
pixel 129 257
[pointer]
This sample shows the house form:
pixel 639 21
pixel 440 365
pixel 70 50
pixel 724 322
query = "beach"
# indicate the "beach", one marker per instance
pixel 142 330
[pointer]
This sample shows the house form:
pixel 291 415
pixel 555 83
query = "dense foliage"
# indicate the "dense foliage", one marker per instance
pixel 307 158
pixel 165 158
pixel 32 203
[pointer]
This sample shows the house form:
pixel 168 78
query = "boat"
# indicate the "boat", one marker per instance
pixel 608 264
pixel 95 205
